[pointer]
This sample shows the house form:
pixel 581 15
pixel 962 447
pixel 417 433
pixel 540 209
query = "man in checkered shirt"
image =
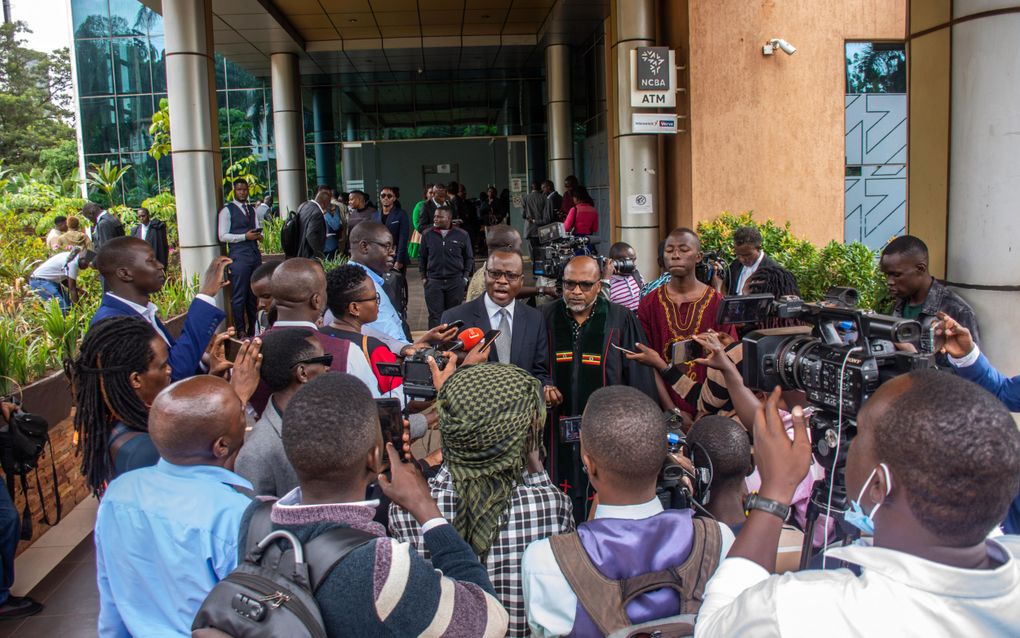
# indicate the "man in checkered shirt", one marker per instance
pixel 529 508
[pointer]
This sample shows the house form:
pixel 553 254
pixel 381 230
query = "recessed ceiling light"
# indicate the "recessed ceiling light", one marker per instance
pixel 353 20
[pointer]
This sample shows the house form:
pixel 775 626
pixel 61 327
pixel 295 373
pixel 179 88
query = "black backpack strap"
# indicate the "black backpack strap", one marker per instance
pixel 26 512
pixel 260 525
pixel 327 550
pixel 56 492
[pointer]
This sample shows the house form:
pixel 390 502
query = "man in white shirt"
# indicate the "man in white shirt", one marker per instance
pixel 934 465
pixel 749 258
pixel 623 446
pixel 48 279
pixel 240 229
pixel 59 228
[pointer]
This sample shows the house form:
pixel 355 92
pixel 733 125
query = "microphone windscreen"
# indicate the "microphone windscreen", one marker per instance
pixel 470 337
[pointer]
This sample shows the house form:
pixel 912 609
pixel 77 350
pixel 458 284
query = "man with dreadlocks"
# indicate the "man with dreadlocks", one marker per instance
pixel 492 486
pixel 121 367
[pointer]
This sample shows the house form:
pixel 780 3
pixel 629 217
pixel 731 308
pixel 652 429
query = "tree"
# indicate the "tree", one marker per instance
pixel 35 95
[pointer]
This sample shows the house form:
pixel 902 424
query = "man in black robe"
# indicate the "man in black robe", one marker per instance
pixel 586 332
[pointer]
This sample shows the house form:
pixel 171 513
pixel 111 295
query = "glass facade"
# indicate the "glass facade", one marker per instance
pixel 121 74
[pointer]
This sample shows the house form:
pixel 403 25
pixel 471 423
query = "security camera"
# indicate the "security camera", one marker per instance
pixel 771 46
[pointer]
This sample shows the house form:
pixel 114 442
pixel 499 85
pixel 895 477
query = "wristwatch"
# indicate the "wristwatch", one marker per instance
pixel 756 502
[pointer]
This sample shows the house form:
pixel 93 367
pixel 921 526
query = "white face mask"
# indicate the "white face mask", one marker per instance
pixel 856 515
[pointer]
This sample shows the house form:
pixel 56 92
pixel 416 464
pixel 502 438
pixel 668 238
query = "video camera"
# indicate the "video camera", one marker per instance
pixel 712 264
pixel 838 359
pixel 670 489
pixel 416 372
pixel 556 247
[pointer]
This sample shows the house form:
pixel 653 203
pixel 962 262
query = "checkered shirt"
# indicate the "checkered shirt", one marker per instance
pixel 538 509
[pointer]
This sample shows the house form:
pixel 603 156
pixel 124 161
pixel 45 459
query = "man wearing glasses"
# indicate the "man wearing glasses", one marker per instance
pixel 589 335
pixel 523 338
pixel 445 262
pixel 372 248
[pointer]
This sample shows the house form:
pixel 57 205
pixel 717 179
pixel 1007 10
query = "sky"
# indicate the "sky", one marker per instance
pixel 48 21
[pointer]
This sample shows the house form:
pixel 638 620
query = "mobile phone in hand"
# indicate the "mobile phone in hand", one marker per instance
pixel 622 349
pixel 391 422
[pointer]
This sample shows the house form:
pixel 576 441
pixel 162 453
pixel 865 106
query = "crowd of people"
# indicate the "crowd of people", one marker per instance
pixel 542 510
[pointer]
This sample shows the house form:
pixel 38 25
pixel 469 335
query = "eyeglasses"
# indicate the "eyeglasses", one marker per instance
pixel 387 246
pixel 377 298
pixel 326 360
pixel 387 195
pixel 585 285
pixel 510 277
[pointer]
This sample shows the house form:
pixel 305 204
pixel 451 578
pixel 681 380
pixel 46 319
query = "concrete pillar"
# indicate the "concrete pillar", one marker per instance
pixel 636 166
pixel 983 249
pixel 559 126
pixel 194 132
pixel 325 136
pixel 288 130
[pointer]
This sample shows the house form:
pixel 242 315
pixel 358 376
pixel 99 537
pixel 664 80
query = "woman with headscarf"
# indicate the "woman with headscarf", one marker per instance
pixel 492 486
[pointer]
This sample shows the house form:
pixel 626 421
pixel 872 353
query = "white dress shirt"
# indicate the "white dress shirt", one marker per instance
pixel 550 601
pixel 492 310
pixel 747 271
pixel 145 231
pixel 897 594
pixel 223 227
pixel 150 312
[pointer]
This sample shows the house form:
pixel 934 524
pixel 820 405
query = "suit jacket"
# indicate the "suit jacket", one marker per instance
pixel 106 229
pixel 156 238
pixel 529 341
pixel 399 224
pixel 185 352
pixel 736 267
pixel 313 230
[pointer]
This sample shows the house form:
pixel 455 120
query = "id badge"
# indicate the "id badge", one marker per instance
pixel 570 429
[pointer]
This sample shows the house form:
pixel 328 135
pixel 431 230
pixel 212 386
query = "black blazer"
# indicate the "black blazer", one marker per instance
pixel 735 269
pixel 313 230
pixel 156 238
pixel 106 229
pixel 529 343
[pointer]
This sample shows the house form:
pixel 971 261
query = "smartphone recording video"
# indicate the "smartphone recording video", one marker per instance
pixel 391 422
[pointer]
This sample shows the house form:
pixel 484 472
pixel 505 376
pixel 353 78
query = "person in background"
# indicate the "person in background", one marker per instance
pixel 625 290
pixel 582 218
pixel 931 567
pixel 59 228
pixel 105 225
pixel 383 587
pixel 569 198
pixel 11 607
pixel 239 228
pixel 722 444
pixel 446 262
pixel 312 222
pixel 372 249
pixel 133 274
pixel 291 357
pixel 265 209
pixel 360 211
pixel 663 277
pixel 334 228
pixel 749 258
pixel 493 210
pixel 154 232
pixel 492 486
pixel 397 221
pixel 414 242
pixel 554 202
pixel 623 445
pixel 428 211
pixel 536 215
pixel 49 279
pixel 177 551
pixel 74 237
pixel 261 287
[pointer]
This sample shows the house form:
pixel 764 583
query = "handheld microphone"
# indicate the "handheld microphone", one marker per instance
pixel 467 339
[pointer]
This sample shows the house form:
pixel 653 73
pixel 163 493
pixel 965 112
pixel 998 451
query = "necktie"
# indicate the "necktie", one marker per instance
pixel 503 340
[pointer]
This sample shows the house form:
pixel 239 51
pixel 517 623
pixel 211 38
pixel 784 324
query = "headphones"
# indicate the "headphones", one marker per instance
pixel 701 479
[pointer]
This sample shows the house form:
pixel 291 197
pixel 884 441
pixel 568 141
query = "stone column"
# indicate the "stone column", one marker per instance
pixel 289 131
pixel 633 25
pixel 190 78
pixel 559 137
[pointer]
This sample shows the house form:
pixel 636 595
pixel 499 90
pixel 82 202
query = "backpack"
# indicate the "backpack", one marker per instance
pixel 606 600
pixel 272 592
pixel 290 235
pixel 21 445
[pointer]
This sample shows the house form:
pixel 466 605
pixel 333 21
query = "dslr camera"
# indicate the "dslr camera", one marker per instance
pixel 418 376
pixel 712 264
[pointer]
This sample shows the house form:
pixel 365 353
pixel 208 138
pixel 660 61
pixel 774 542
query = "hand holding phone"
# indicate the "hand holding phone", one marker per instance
pixel 622 349
pixel 391 423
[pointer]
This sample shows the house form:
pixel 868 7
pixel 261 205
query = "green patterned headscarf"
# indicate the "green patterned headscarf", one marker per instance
pixel 490 416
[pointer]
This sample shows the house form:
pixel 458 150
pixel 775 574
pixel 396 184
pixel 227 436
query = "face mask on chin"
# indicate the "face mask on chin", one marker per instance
pixel 856 515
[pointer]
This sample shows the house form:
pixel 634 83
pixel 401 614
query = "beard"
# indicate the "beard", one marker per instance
pixel 579 306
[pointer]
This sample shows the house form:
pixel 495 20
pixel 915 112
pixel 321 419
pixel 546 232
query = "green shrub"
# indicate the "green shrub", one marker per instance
pixel 816 270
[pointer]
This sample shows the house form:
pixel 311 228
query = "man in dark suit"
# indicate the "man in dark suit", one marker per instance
pixel 523 339
pixel 105 226
pixel 749 258
pixel 130 268
pixel 313 225
pixel 154 232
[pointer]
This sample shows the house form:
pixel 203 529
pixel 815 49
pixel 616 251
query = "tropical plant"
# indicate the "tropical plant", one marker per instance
pixel 271 236
pixel 106 177
pixel 64 331
pixel 335 262
pixel 243 169
pixel 160 131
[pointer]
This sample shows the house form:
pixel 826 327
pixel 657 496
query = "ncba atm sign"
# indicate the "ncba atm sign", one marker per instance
pixel 653 70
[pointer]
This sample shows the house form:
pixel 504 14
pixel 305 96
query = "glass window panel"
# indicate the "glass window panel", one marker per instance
pixel 128 17
pixel 876 67
pixel 95 76
pixel 91 18
pixel 96 194
pixel 157 58
pixel 142 181
pixel 220 72
pixel 131 65
pixel 99 125
pixel 246 114
pixel 239 78
pixel 166 173
pixel 135 114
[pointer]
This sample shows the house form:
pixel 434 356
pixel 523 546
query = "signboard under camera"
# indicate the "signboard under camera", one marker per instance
pixel 653 70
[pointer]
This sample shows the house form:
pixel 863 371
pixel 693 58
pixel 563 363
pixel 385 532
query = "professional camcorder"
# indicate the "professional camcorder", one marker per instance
pixel 670 489
pixel 712 264
pixel 556 247
pixel 839 358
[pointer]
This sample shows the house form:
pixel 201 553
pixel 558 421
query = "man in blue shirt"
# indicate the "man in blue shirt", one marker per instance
pixel 372 248
pixel 165 535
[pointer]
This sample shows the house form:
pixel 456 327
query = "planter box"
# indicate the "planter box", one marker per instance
pixel 50 398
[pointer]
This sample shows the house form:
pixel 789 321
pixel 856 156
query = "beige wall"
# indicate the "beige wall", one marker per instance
pixel 767 133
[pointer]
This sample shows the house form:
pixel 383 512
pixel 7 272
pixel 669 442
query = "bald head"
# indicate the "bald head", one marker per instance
pixel 502 236
pixel 369 231
pixel 583 268
pixel 197 421
pixel 299 288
